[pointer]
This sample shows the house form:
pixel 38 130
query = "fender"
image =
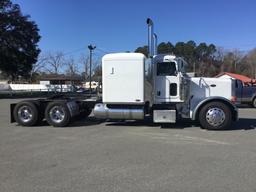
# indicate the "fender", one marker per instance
pixel 253 97
pixel 215 98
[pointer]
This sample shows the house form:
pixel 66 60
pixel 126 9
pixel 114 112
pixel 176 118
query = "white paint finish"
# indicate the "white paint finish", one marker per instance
pixel 123 78
pixel 200 89
pixel 123 56
pixel 226 77
pixel 169 58
pixel 162 83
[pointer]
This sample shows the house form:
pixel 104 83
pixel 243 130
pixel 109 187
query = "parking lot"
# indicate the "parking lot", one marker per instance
pixel 92 155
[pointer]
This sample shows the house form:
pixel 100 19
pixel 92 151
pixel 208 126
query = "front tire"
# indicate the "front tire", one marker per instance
pixel 26 113
pixel 215 116
pixel 57 114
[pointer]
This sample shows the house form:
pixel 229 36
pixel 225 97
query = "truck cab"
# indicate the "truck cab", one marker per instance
pixel 170 78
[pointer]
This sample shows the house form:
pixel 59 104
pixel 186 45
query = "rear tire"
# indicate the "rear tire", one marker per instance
pixel 254 102
pixel 26 113
pixel 215 116
pixel 57 114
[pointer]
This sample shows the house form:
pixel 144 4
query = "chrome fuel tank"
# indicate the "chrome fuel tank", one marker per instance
pixel 103 112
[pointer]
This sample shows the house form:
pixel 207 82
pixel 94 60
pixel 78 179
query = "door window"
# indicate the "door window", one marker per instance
pixel 166 69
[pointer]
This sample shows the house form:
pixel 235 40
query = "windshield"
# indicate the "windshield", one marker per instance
pixel 166 69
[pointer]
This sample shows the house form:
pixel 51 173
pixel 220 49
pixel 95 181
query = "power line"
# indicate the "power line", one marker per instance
pixel 74 51
pixel 84 48
pixel 101 50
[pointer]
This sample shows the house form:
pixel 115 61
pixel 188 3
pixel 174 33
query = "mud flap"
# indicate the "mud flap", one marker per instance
pixel 11 112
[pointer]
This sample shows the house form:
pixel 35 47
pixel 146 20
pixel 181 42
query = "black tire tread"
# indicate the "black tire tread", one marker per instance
pixel 224 107
pixel 254 102
pixel 35 112
pixel 67 118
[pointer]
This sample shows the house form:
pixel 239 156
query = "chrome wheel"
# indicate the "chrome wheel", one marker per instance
pixel 57 114
pixel 215 116
pixel 25 113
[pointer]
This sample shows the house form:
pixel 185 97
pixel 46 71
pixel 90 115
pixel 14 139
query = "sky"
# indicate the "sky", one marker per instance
pixel 117 25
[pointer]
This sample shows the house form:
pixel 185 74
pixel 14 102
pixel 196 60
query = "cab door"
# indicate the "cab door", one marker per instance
pixel 166 82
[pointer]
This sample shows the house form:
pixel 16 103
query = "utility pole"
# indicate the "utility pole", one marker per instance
pixel 91 48
pixel 194 67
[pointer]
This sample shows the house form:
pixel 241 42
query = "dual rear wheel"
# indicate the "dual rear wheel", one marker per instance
pixel 56 113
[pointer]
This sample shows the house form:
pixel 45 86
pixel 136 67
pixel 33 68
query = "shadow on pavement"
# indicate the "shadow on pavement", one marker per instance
pixel 242 124
pixel 89 121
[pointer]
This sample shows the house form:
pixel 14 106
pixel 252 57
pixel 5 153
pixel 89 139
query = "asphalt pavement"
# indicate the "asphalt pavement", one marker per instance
pixel 91 155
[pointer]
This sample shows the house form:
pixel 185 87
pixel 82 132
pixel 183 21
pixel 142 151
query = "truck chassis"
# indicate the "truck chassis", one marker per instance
pixel 58 111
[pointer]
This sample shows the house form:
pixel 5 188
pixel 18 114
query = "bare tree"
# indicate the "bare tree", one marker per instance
pixel 38 67
pixel 55 61
pixel 84 61
pixel 219 57
pixel 96 64
pixel 72 67
pixel 231 61
pixel 252 62
pixel 237 57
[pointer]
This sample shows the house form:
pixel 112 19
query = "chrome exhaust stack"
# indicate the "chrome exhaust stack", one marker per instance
pixel 152 39
pixel 155 44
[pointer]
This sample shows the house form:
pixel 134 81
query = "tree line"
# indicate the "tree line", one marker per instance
pixel 20 55
pixel 209 60
pixel 58 63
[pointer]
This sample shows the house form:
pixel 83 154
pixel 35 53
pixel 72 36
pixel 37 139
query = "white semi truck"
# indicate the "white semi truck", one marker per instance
pixel 135 87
